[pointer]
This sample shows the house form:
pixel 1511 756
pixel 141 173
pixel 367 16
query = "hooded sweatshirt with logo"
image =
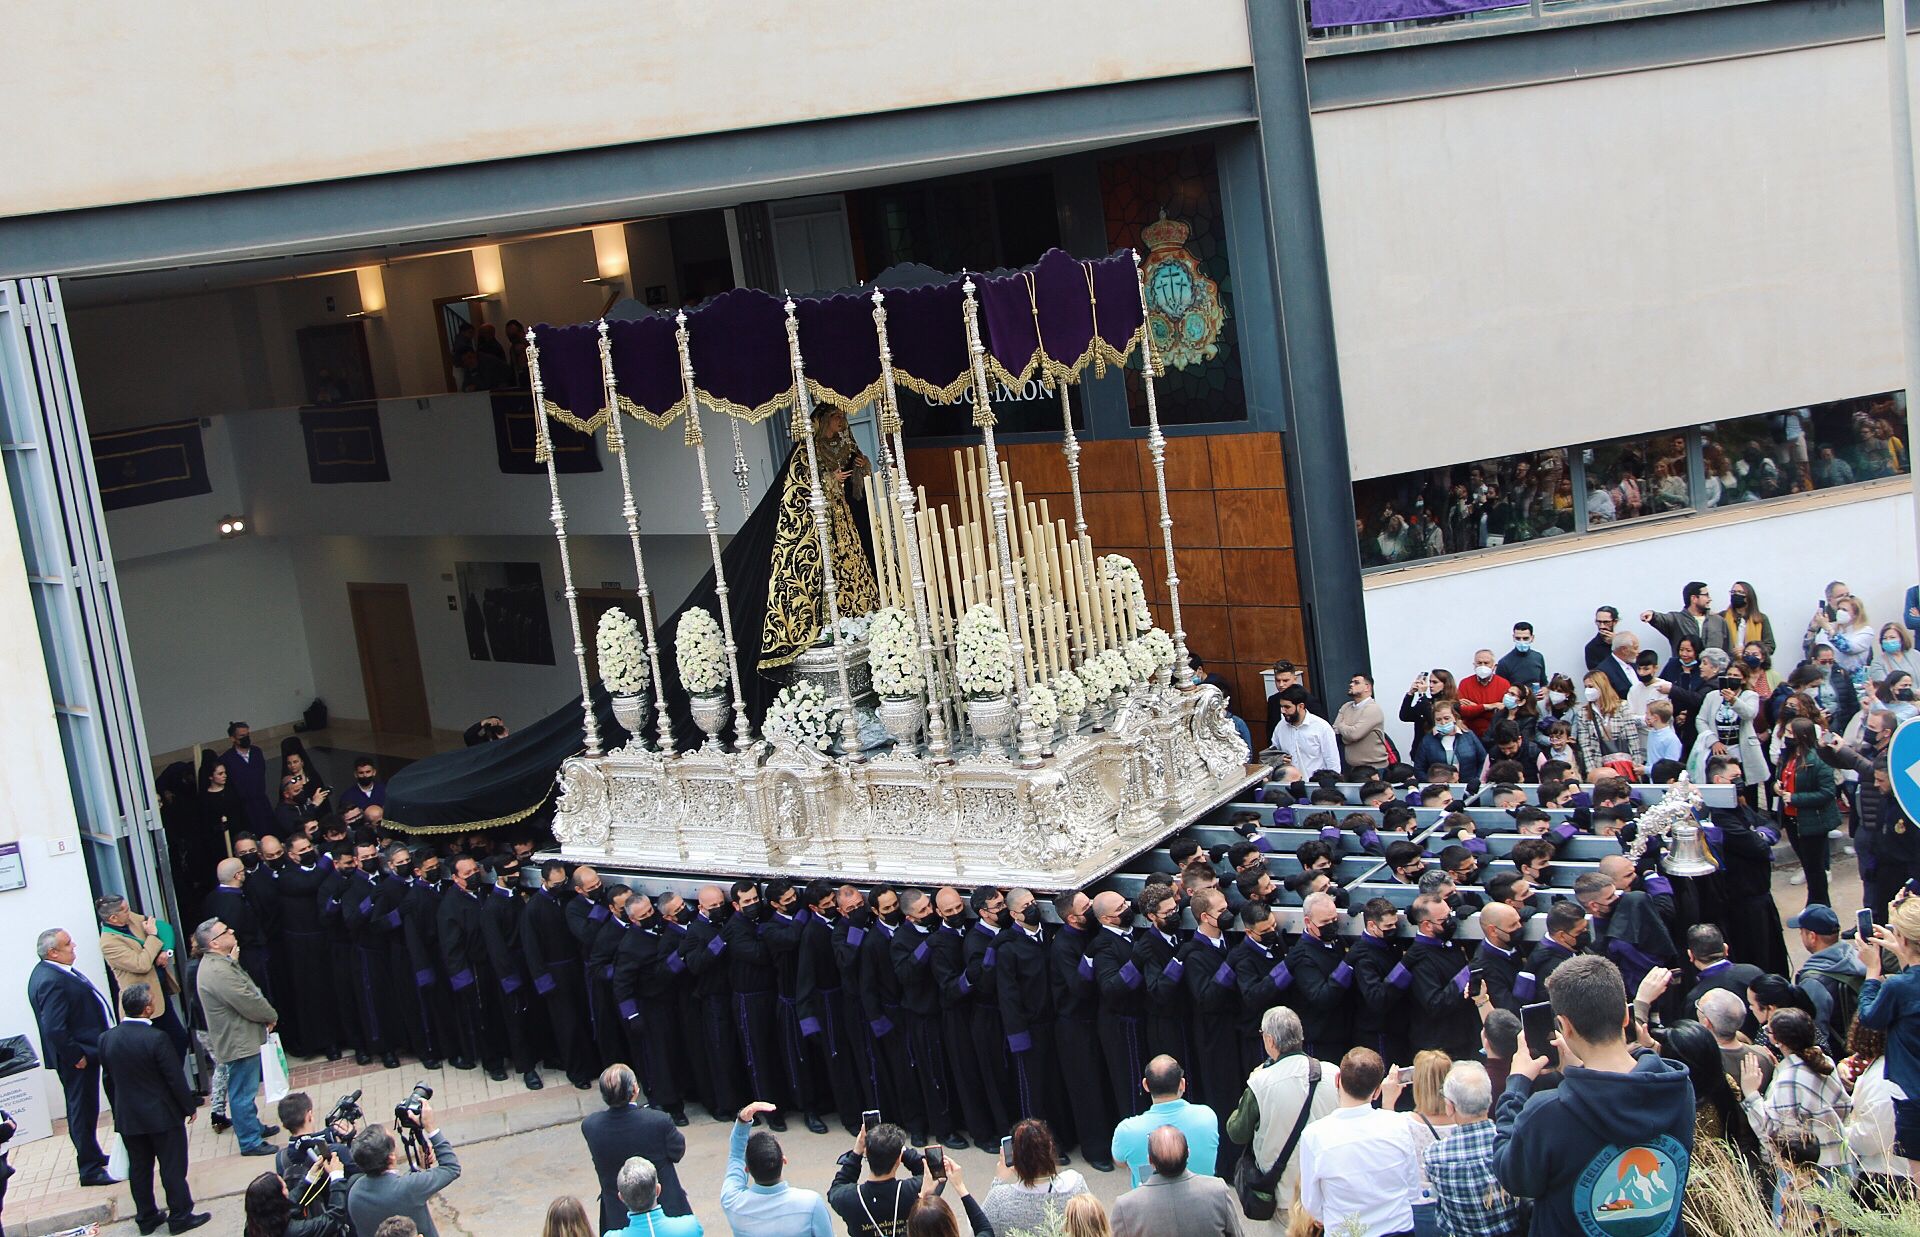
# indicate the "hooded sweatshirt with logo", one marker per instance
pixel 1602 1154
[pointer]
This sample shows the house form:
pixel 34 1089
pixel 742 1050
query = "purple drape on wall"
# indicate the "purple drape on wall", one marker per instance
pixel 1361 12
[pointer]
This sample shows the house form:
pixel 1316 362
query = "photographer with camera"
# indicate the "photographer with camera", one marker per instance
pixel 309 1145
pixel 272 1210
pixel 383 1191
pixel 878 1204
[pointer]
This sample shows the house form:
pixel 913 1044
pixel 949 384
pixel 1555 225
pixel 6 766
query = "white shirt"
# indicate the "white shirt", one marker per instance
pixel 1311 744
pixel 1357 1167
pixel 82 977
pixel 1870 1129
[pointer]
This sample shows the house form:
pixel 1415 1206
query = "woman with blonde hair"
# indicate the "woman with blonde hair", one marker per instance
pixel 567 1217
pixel 1605 730
pixel 1085 1217
pixel 1891 1004
pixel 1429 1124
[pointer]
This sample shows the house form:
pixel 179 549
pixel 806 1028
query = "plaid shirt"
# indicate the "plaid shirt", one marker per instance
pixel 1801 1100
pixel 1471 1202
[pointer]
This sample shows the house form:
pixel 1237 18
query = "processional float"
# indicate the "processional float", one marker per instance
pixel 980 621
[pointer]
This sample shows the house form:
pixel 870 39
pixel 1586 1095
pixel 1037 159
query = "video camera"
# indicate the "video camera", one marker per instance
pixel 313 1145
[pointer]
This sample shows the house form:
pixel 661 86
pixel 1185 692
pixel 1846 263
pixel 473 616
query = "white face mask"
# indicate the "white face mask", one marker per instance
pixel 1557 697
pixel 1592 694
pixel 1483 673
pixel 1843 615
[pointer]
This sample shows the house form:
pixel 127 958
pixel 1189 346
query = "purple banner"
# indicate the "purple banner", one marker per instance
pixel 1323 13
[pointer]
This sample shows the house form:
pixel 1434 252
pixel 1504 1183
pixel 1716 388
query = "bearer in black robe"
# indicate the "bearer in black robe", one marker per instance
pixel 553 963
pixel 819 1003
pixel 305 939
pixel 508 1014
pixel 1322 991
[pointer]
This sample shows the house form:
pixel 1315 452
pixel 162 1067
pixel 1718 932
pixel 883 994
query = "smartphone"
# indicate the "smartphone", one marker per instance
pixel 1865 920
pixel 1537 1022
pixel 1006 1150
pixel 1404 1075
pixel 869 1118
pixel 937 1162
pixel 1913 886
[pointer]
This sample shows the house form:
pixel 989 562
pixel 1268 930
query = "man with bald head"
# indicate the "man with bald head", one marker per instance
pixel 912 956
pixel 1322 991
pixel 1123 1000
pixel 1175 1201
pixel 230 904
pixel 702 952
pixel 1498 963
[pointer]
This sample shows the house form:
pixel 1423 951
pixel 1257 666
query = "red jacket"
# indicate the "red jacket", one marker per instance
pixel 1477 700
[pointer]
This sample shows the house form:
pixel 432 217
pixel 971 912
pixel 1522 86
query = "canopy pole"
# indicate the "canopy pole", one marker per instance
pixel 1157 448
pixel 617 442
pixel 938 747
pixel 803 429
pixel 997 502
pixel 1070 447
pixel 543 449
pixel 710 512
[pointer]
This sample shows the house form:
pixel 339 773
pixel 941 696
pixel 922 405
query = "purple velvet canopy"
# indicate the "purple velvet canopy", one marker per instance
pixel 1051 320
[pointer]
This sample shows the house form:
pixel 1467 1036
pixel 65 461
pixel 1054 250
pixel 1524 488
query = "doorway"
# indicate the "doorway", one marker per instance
pixel 389 659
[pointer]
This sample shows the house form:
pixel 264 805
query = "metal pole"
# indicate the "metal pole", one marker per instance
pixel 557 514
pixel 1900 113
pixel 617 443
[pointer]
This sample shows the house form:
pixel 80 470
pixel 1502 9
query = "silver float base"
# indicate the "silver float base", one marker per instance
pixel 1168 758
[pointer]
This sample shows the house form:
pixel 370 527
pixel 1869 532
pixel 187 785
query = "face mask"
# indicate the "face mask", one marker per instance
pixel 431 873
pixel 894 918
pixel 1522 646
pixel 1483 673
pixel 1444 930
pixel 1843 616
pixel 1752 659
pixel 956 922
pixel 1592 694
pixel 720 913
pixel 759 912
pixel 244 742
pixel 1738 601
pixel 1443 729
pixel 250 860
pixel 1556 697
pixel 1891 646
pixel 1030 914
pixel 457 883
pixel 1689 662
pixel 861 917
pixel 403 870
pixel 1509 701
pixel 366 783
pixel 1905 693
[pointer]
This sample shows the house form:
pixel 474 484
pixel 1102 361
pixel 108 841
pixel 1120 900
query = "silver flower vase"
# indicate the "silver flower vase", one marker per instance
pixel 991 718
pixel 630 710
pixel 710 713
pixel 902 717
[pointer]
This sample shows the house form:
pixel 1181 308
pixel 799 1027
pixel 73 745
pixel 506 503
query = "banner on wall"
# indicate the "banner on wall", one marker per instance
pixel 151 464
pixel 514 432
pixel 344 444
pixel 1323 13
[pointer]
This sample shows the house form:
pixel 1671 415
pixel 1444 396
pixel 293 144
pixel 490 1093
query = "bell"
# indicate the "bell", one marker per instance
pixel 1687 854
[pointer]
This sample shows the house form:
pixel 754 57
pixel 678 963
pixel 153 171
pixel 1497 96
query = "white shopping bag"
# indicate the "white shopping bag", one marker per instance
pixel 117 1160
pixel 273 1070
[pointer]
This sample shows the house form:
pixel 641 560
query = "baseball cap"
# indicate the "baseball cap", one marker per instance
pixel 1818 919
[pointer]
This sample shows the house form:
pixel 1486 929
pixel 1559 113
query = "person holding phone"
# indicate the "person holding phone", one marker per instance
pixel 932 1218
pixel 878 1202
pixel 1030 1189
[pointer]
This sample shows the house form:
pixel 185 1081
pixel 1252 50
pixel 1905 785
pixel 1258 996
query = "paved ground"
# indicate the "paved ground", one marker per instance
pixel 518 1149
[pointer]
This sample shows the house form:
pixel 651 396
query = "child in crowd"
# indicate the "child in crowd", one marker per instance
pixel 1662 742
pixel 1559 747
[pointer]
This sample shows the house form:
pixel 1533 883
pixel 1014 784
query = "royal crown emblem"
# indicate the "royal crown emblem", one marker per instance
pixel 1183 305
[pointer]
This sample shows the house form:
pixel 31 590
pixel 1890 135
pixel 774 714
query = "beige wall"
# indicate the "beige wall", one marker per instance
pixel 1531 268
pixel 164 101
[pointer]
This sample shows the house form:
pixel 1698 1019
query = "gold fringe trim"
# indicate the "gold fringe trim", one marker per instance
pixel 849 404
pixel 556 413
pixel 472 826
pixel 939 395
pixel 1098 353
pixel 752 416
pixel 659 421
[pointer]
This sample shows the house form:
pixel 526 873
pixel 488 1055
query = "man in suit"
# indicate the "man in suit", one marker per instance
pixel 624 1130
pixel 1174 1202
pixel 72 1015
pixel 1707 947
pixel 152 1107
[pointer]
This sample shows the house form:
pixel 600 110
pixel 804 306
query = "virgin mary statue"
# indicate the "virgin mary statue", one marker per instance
pixel 777 589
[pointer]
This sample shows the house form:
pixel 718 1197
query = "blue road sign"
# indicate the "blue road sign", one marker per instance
pixel 1903 767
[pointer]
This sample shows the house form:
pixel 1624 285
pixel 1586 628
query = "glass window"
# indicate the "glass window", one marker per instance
pixel 1816 447
pixel 1462 507
pixel 1628 478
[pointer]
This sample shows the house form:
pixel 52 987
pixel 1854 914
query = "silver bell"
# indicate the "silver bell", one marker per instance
pixel 1686 853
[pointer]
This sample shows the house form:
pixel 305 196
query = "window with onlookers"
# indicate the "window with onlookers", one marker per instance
pixel 1485 504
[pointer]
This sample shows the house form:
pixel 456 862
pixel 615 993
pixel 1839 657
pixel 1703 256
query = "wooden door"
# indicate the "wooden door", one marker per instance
pixel 389 659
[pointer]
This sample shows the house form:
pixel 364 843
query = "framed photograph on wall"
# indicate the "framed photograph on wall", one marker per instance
pixel 504 609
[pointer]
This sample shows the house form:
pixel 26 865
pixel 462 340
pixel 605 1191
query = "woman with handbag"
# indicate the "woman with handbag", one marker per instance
pixel 1606 732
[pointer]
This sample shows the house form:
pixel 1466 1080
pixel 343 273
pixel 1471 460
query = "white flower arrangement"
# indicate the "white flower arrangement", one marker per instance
pixel 1093 674
pixel 984 655
pixel 623 657
pixel 893 654
pixel 1119 569
pixel 1070 693
pixel 1140 663
pixel 801 715
pixel 1042 704
pixel 851 628
pixel 701 658
pixel 1118 673
pixel 1159 644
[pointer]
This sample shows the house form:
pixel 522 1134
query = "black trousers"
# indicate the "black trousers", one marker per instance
pixel 83 1115
pixel 409 1030
pixel 653 1044
pixel 927 1075
pixel 834 1045
pixel 609 1037
pixel 169 1021
pixel 348 1029
pixel 1083 1077
pixel 1812 849
pixel 996 1071
pixel 565 1004
pixel 1121 1039
pixel 511 1025
pixel 374 988
pixel 900 1100
pixel 469 1013
pixel 168 1151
